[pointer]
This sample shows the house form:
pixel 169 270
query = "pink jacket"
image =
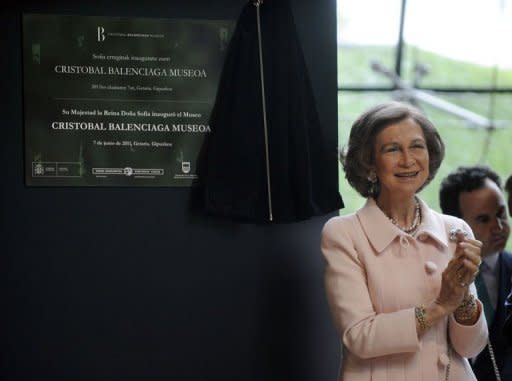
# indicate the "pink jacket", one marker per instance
pixel 375 276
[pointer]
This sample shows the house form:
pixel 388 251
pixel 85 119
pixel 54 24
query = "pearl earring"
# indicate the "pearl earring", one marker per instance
pixel 372 178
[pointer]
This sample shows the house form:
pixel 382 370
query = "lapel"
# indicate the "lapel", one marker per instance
pixel 376 226
pixel 434 225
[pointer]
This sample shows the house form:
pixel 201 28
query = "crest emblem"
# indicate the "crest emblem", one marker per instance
pixel 128 171
pixel 185 166
pixel 38 169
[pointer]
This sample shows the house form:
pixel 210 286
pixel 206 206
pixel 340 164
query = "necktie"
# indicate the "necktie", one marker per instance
pixel 483 295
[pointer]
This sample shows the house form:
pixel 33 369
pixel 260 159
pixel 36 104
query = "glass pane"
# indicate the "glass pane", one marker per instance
pixel 460 43
pixel 364 36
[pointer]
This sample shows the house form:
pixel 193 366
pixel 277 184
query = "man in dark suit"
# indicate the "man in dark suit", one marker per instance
pixel 474 194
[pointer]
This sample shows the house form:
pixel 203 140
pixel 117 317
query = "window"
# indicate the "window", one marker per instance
pixel 455 53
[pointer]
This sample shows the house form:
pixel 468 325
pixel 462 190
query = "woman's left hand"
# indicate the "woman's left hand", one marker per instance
pixel 459 273
pixel 468 256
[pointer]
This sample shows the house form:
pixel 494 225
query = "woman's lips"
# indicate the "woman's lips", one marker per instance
pixel 406 175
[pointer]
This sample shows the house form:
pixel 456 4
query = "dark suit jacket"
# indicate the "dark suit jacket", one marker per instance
pixel 503 351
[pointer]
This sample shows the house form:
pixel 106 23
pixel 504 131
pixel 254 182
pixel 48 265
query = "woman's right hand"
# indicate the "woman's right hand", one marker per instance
pixel 452 290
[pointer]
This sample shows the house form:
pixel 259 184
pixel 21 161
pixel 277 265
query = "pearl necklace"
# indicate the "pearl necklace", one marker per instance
pixel 415 223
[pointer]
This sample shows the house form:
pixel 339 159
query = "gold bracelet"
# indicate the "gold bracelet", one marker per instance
pixel 467 309
pixel 420 313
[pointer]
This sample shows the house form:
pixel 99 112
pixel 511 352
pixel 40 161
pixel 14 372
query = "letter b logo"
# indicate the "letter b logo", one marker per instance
pixel 101 34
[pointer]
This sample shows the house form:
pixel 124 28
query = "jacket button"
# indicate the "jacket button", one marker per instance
pixel 430 267
pixel 444 359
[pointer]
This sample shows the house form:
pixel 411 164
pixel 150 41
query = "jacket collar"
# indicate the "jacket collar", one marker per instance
pixel 381 232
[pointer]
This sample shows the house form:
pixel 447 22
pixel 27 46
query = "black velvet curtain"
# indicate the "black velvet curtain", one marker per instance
pixel 233 162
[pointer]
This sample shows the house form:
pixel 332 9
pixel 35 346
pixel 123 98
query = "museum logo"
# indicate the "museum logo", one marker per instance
pixel 101 34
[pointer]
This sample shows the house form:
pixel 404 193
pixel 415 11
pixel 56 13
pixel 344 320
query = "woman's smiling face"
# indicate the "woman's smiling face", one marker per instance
pixel 401 158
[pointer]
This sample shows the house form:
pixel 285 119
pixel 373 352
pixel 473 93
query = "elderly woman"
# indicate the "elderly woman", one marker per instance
pixel 399 276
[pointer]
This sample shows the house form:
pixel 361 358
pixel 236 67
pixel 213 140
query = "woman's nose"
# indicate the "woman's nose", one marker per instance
pixel 407 159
